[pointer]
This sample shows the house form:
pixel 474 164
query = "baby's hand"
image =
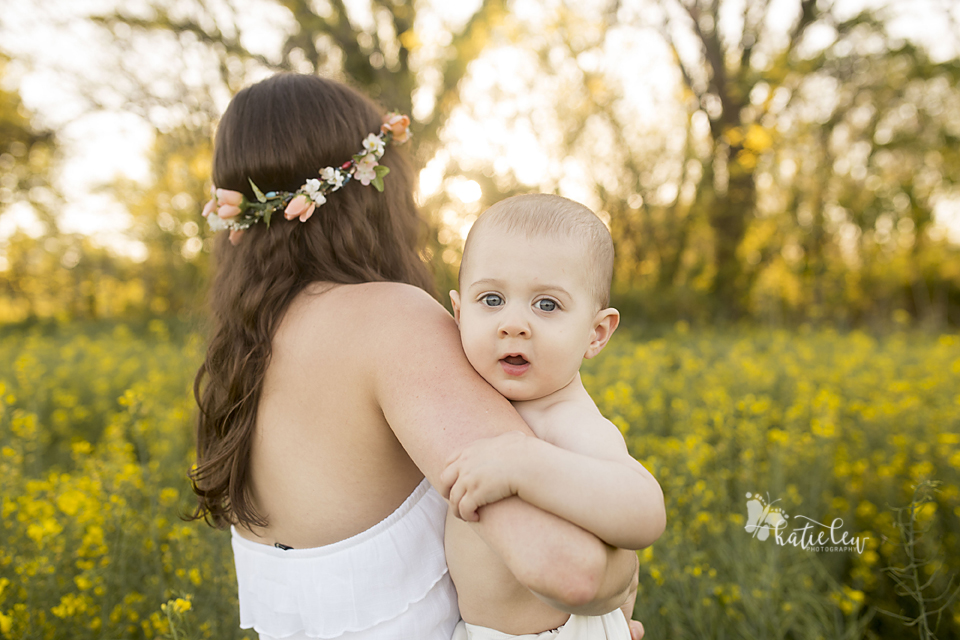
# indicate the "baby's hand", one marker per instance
pixel 483 472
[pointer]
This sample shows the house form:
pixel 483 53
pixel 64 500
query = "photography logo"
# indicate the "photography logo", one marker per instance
pixel 764 519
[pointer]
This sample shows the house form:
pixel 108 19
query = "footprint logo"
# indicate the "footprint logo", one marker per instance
pixel 762 516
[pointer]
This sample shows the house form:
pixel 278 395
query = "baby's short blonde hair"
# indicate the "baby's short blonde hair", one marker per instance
pixel 553 216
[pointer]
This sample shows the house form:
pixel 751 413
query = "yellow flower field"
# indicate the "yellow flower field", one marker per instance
pixel 96 432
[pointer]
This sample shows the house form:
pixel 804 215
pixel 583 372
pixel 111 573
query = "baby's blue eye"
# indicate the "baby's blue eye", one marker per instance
pixel 491 300
pixel 545 305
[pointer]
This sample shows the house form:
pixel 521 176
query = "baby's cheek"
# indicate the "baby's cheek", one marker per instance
pixel 474 352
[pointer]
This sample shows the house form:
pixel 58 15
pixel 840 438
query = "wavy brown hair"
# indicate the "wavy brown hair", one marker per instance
pixel 279 132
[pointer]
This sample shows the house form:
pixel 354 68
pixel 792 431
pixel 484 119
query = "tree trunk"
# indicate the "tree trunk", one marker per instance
pixel 728 218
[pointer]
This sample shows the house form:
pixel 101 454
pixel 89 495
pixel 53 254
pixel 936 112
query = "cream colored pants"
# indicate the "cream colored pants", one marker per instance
pixel 611 626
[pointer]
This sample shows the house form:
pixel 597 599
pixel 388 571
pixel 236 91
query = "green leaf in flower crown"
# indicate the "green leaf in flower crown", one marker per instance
pixel 257 192
pixel 266 216
pixel 381 171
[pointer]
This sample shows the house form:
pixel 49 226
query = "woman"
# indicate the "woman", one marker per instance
pixel 336 389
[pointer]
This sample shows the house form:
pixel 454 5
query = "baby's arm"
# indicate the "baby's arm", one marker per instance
pixel 582 474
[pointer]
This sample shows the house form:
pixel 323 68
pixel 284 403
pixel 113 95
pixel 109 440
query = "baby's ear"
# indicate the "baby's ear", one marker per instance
pixel 455 303
pixel 604 324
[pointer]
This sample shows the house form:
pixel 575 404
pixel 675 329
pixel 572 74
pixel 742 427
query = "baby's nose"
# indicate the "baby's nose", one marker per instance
pixel 514 325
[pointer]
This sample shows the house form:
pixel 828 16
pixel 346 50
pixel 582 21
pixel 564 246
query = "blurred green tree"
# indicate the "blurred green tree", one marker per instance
pixel 66 277
pixel 27 155
pixel 797 179
pixel 812 140
pixel 167 221
pixel 862 178
pixel 379 48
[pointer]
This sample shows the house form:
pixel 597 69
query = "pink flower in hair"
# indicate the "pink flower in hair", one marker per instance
pixel 211 204
pixel 300 207
pixel 225 196
pixel 235 236
pixel 398 125
pixel 309 212
pixel 365 169
pixel 210 207
pixel 229 203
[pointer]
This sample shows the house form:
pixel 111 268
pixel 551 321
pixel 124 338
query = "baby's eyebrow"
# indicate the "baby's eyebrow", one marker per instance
pixel 487 282
pixel 555 288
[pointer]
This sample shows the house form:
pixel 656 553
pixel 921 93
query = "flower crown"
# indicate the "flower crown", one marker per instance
pixel 236 213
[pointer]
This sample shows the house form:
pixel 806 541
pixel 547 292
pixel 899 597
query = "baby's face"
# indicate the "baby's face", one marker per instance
pixel 525 311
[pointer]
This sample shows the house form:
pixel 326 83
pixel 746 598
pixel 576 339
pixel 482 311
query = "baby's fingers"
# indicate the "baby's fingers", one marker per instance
pixel 468 508
pixel 456 496
pixel 448 477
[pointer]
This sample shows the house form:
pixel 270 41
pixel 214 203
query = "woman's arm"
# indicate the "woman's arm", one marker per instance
pixel 436 404
pixel 586 477
pixel 565 566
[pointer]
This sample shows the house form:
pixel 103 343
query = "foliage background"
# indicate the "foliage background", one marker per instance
pixel 782 162
pixel 778 178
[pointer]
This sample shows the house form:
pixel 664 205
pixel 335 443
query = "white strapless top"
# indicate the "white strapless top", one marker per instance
pixel 388 582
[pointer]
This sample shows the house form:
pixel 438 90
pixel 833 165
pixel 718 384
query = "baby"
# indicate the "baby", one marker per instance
pixel 533 302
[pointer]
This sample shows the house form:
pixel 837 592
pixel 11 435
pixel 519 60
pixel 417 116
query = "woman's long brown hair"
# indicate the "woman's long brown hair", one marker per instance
pixel 279 132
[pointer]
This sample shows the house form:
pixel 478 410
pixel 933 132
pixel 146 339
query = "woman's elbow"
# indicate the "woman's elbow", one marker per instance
pixel 656 527
pixel 573 581
pixel 644 527
pixel 656 523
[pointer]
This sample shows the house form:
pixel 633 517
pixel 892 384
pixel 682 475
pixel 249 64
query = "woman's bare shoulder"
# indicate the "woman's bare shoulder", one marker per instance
pixel 371 322
pixel 403 295
pixel 355 299
pixel 384 307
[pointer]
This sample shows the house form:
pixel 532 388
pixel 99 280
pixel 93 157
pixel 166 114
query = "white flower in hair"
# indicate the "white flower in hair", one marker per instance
pixel 216 223
pixel 313 190
pixel 332 177
pixel 374 144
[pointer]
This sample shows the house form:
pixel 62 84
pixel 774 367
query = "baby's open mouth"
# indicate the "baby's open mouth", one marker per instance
pixel 515 360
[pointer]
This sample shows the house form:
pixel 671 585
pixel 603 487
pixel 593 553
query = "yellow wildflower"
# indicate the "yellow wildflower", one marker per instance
pixel 70 502
pixel 6 623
